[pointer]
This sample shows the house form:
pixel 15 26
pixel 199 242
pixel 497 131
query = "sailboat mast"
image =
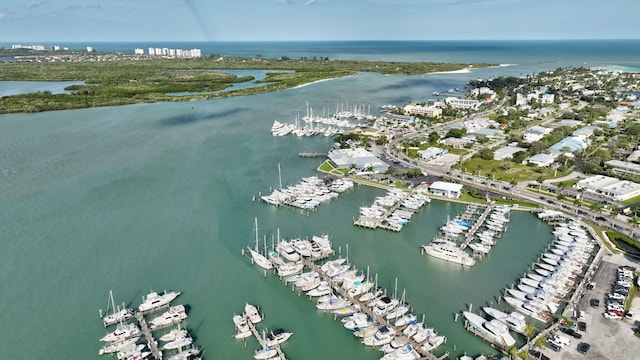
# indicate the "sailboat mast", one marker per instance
pixel 257 238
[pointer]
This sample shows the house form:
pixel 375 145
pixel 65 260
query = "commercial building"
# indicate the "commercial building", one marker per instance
pixel 615 189
pixel 542 160
pixel 506 152
pixel 357 158
pixel 624 167
pixel 458 103
pixel 428 111
pixel 446 189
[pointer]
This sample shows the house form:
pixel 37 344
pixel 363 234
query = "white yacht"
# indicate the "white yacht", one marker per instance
pixel 251 311
pixel 153 300
pixel 358 321
pixel 515 320
pixel 117 346
pixel 240 322
pixel 287 251
pixel 178 342
pixel 383 335
pixel 289 269
pixel 406 352
pixel 173 334
pixel 116 316
pixel 277 336
pixel 175 314
pixel 449 251
pixel 122 332
pixel 494 330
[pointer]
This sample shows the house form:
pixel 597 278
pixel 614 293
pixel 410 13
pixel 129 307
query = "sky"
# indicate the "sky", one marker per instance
pixel 315 20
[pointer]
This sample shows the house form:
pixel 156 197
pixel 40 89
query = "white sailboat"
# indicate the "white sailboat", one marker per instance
pixel 116 315
pixel 258 258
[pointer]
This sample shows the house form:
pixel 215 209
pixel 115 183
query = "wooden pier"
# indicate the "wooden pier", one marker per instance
pixel 263 344
pixel 151 342
pixel 312 154
pixel 472 231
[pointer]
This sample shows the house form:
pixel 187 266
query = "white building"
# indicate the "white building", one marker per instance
pixel 458 103
pixel 431 153
pixel 357 158
pixel 428 111
pixel 152 51
pixel 623 167
pixel 542 160
pixel 618 190
pixel 535 133
pixel 506 152
pixel 138 51
pixel 446 189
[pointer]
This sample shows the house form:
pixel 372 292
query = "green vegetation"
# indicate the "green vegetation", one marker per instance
pixel 507 171
pixel 128 81
pixel 624 242
pixel 633 200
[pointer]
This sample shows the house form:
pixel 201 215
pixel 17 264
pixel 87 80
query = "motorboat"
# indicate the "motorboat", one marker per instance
pixel 131 351
pixel 240 321
pixel 383 335
pixel 405 319
pixel 433 342
pixel 187 354
pixel 322 289
pixel 449 251
pixel 277 336
pixel 178 342
pixel 122 332
pixel 289 269
pixel 117 346
pixel 251 311
pixel 493 330
pixel 358 321
pixel 153 300
pixel 384 305
pixel 175 333
pixel 515 320
pixel 174 315
pixel 398 311
pixel 286 250
pixel 406 352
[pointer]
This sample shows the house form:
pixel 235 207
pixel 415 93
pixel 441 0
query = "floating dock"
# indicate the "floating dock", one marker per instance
pixel 151 342
pixel 263 344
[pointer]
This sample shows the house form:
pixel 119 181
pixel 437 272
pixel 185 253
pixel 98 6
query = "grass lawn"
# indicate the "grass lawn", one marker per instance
pixel 516 172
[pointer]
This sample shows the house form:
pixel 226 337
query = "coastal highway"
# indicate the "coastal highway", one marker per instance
pixel 520 190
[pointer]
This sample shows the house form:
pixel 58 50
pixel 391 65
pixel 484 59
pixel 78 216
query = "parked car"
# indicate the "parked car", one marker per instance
pixel 571 332
pixel 583 348
pixel 582 326
pixel 629 315
pixel 553 345
pixel 535 354
pixel 594 302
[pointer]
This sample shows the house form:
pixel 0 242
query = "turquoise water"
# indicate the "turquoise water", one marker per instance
pixel 160 196
pixel 8 88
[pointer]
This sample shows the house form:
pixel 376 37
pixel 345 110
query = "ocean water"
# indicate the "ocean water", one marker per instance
pixel 159 196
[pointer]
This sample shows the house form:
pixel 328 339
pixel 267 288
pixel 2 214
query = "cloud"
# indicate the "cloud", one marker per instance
pixel 36 3
pixel 294 2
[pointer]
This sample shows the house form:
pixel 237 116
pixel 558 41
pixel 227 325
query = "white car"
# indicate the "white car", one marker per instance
pixel 612 316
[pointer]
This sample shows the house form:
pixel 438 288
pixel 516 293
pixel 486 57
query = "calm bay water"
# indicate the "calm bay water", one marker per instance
pixel 160 196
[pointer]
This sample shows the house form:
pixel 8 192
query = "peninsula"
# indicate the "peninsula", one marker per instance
pixel 119 79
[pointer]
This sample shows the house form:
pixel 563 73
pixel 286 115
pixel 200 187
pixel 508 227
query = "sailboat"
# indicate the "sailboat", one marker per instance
pixel 256 256
pixel 118 315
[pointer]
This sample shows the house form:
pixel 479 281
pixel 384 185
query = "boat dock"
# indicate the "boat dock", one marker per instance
pixel 378 320
pixel 151 342
pixel 312 154
pixel 472 231
pixel 263 344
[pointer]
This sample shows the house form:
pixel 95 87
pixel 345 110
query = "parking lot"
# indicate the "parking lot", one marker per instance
pixel 608 339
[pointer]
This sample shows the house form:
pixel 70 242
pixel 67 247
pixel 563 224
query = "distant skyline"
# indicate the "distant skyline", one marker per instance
pixel 33 21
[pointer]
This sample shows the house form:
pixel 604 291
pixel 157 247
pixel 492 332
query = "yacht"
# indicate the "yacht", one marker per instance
pixel 122 332
pixel 175 314
pixel 240 321
pixel 494 330
pixel 178 342
pixel 449 251
pixel 131 351
pixel 515 320
pixel 117 346
pixel 153 300
pixel 383 335
pixel 116 316
pixel 287 251
pixel 251 311
pixel 266 353
pixel 289 269
pixel 358 321
pixel 383 305
pixel 277 336
pixel 189 354
pixel 173 334
pixel 405 320
pixel 322 289
pixel 406 352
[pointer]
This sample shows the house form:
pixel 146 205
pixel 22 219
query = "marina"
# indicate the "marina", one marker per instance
pixel 123 340
pixel 392 211
pixel 308 193
pixel 128 197
pixel 351 295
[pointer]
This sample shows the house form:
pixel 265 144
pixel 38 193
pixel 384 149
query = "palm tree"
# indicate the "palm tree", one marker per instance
pixel 596 207
pixel 512 351
pixel 540 343
pixel 529 331
pixel 524 355
pixel 540 180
